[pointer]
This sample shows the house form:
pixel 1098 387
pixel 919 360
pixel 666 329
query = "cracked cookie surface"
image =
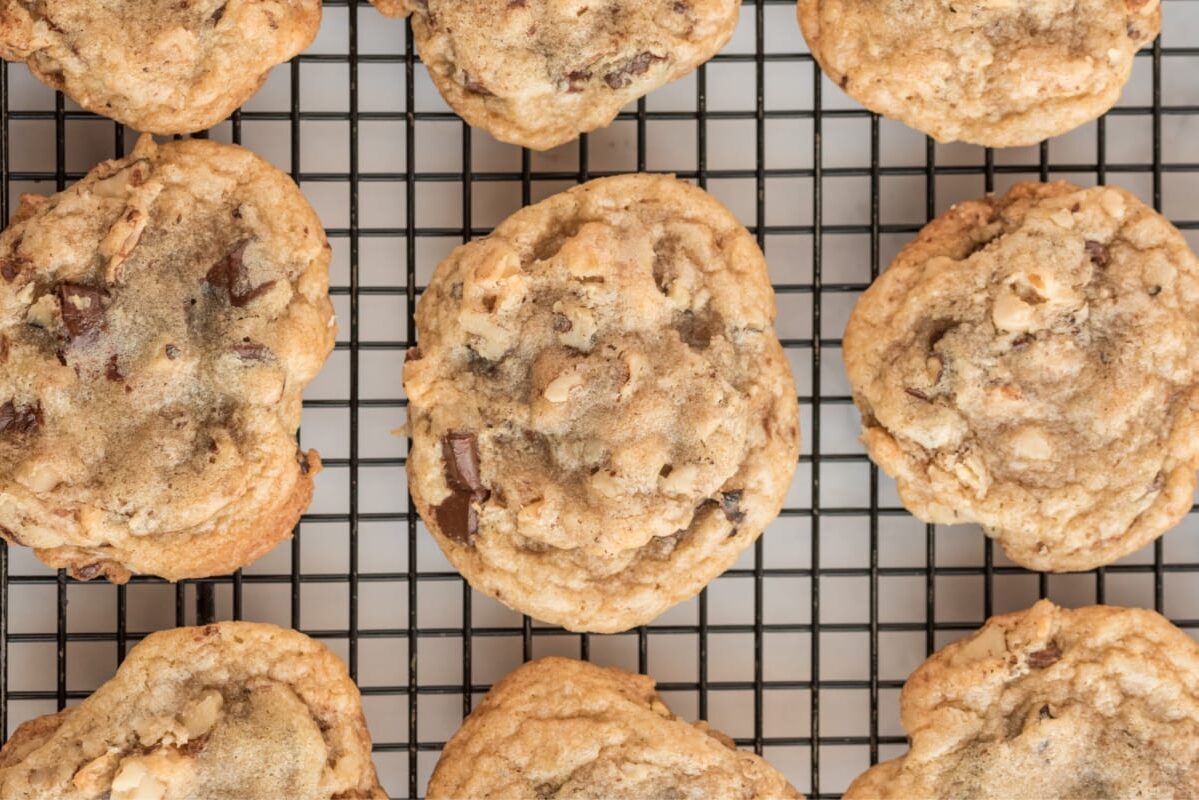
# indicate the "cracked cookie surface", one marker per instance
pixel 1031 363
pixel 559 728
pixel 1050 702
pixel 158 322
pixel 1001 73
pixel 159 66
pixel 231 710
pixel 537 73
pixel 602 416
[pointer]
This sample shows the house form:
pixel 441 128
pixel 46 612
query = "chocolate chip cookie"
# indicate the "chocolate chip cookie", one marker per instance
pixel 1031 363
pixel 232 710
pixel 158 322
pixel 1000 73
pixel 602 417
pixel 558 727
pixel 160 66
pixel 1048 702
pixel 537 73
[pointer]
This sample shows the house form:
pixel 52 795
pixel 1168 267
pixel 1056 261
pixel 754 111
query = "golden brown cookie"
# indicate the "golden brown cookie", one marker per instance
pixel 1031 363
pixel 1051 703
pixel 1000 73
pixel 231 711
pixel 561 728
pixel 539 72
pixel 602 417
pixel 158 323
pixel 160 66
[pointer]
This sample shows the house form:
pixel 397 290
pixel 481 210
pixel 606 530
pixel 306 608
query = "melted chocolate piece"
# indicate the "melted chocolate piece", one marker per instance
pixel 227 274
pixel 253 351
pixel 1044 657
pixel 730 504
pixel 20 420
pixel 639 64
pixel 82 309
pixel 1098 252
pixel 112 370
pixel 457 516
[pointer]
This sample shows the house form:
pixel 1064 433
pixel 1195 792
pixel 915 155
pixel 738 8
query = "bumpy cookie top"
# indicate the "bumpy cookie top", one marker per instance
pixel 602 417
pixel 1031 364
pixel 558 728
pixel 539 72
pixel 161 66
pixel 236 710
pixel 1000 73
pixel 158 322
pixel 1097 702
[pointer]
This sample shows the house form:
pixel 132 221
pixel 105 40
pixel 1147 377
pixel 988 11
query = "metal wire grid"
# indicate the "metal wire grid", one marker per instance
pixel 824 723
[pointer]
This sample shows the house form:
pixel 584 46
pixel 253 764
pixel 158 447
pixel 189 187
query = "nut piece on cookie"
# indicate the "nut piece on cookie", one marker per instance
pixel 1049 702
pixel 158 323
pixel 234 709
pixel 159 66
pixel 602 416
pixel 537 73
pixel 999 74
pixel 1036 377
pixel 557 727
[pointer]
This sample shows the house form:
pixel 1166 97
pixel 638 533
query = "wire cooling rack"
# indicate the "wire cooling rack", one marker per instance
pixel 800 650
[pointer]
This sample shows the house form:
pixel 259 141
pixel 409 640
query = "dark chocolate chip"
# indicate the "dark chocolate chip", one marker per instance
pixel 8 535
pixel 919 395
pixel 475 86
pixel 220 12
pixel 639 64
pixel 302 457
pixel 730 504
pixel 1154 291
pixel 681 8
pixel 1098 252
pixel 253 351
pixel 1022 341
pixel 412 354
pixel 20 420
pixel 87 571
pixel 1044 657
pixel 576 81
pixel 461 453
pixel 457 517
pixel 112 369
pixel 227 274
pixel 193 747
pixel 82 309
pixel 844 81
pixel 562 324
pixel 1045 713
pixel 172 352
pixel 9 268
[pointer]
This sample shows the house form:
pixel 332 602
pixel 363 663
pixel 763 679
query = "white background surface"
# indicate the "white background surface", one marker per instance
pixel 843 667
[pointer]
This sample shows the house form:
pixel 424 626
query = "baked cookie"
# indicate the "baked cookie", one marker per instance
pixel 1031 363
pixel 558 728
pixel 233 710
pixel 158 322
pixel 601 416
pixel 1048 702
pixel 537 73
pixel 160 66
pixel 1000 74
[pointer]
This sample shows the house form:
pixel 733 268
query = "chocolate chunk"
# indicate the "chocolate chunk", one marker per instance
pixel 730 504
pixel 172 352
pixel 302 457
pixel 112 370
pixel 475 86
pixel 919 395
pixel 1044 657
pixel 461 453
pixel 1022 341
pixel 1154 291
pixel 82 309
pixel 9 535
pixel 1098 253
pixel 639 64
pixel 457 517
pixel 10 268
pixel 412 354
pixel 87 571
pixel 681 8
pixel 1045 713
pixel 562 324
pixel 227 274
pixel 576 81
pixel 220 12
pixel 20 420
pixel 194 747
pixel 252 351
